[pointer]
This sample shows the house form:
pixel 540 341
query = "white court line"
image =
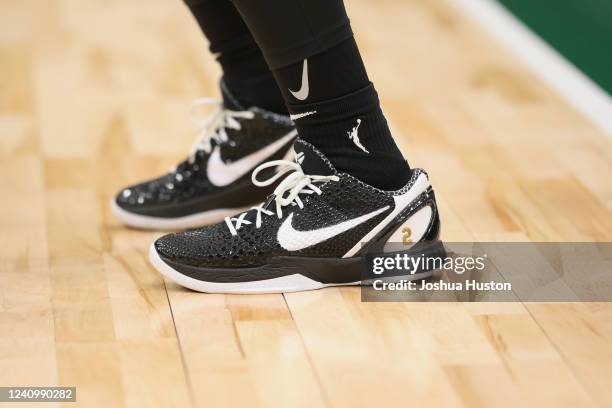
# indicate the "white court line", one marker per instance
pixel 550 66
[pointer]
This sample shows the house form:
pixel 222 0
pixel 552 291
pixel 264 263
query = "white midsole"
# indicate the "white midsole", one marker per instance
pixel 185 222
pixel 283 284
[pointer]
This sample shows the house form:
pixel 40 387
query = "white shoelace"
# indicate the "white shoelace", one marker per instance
pixel 294 184
pixel 212 127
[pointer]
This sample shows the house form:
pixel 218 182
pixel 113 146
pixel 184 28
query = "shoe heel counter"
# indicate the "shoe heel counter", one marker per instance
pixel 414 219
pixel 421 223
pixel 433 230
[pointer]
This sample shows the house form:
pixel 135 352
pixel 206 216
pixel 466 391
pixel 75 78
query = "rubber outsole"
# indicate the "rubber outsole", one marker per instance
pixel 290 282
pixel 168 224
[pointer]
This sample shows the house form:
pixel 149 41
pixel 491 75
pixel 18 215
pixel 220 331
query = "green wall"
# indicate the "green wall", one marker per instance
pixel 581 30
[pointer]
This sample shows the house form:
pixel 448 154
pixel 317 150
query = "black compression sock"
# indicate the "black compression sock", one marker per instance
pixel 332 73
pixel 336 108
pixel 353 133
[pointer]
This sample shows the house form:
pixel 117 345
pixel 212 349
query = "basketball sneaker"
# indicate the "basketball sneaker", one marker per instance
pixel 310 233
pixel 214 181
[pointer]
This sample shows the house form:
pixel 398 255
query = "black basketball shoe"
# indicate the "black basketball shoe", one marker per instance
pixel 214 182
pixel 309 234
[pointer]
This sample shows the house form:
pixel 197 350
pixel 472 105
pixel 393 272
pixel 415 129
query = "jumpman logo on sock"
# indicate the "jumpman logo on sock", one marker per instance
pixel 355 137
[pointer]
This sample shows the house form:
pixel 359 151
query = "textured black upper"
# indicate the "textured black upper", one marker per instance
pixel 187 189
pixel 341 200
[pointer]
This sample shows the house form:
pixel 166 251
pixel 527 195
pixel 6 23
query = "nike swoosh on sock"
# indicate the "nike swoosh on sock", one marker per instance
pixel 301 115
pixel 302 93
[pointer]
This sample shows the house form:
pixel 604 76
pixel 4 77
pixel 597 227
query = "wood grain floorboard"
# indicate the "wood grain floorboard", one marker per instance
pixel 94 94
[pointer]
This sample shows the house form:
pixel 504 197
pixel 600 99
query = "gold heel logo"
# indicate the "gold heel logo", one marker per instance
pixel 406 235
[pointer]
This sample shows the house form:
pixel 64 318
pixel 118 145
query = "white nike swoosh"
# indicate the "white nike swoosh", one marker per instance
pixel 301 115
pixel 293 240
pixel 302 93
pixel 222 174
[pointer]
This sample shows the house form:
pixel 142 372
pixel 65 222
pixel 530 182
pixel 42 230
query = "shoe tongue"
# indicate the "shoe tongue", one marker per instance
pixel 313 162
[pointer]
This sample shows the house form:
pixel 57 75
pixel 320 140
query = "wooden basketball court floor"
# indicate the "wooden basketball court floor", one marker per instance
pixel 94 94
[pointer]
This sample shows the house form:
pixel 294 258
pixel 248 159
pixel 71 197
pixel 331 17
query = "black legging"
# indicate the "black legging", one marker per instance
pixel 290 30
pixel 287 31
